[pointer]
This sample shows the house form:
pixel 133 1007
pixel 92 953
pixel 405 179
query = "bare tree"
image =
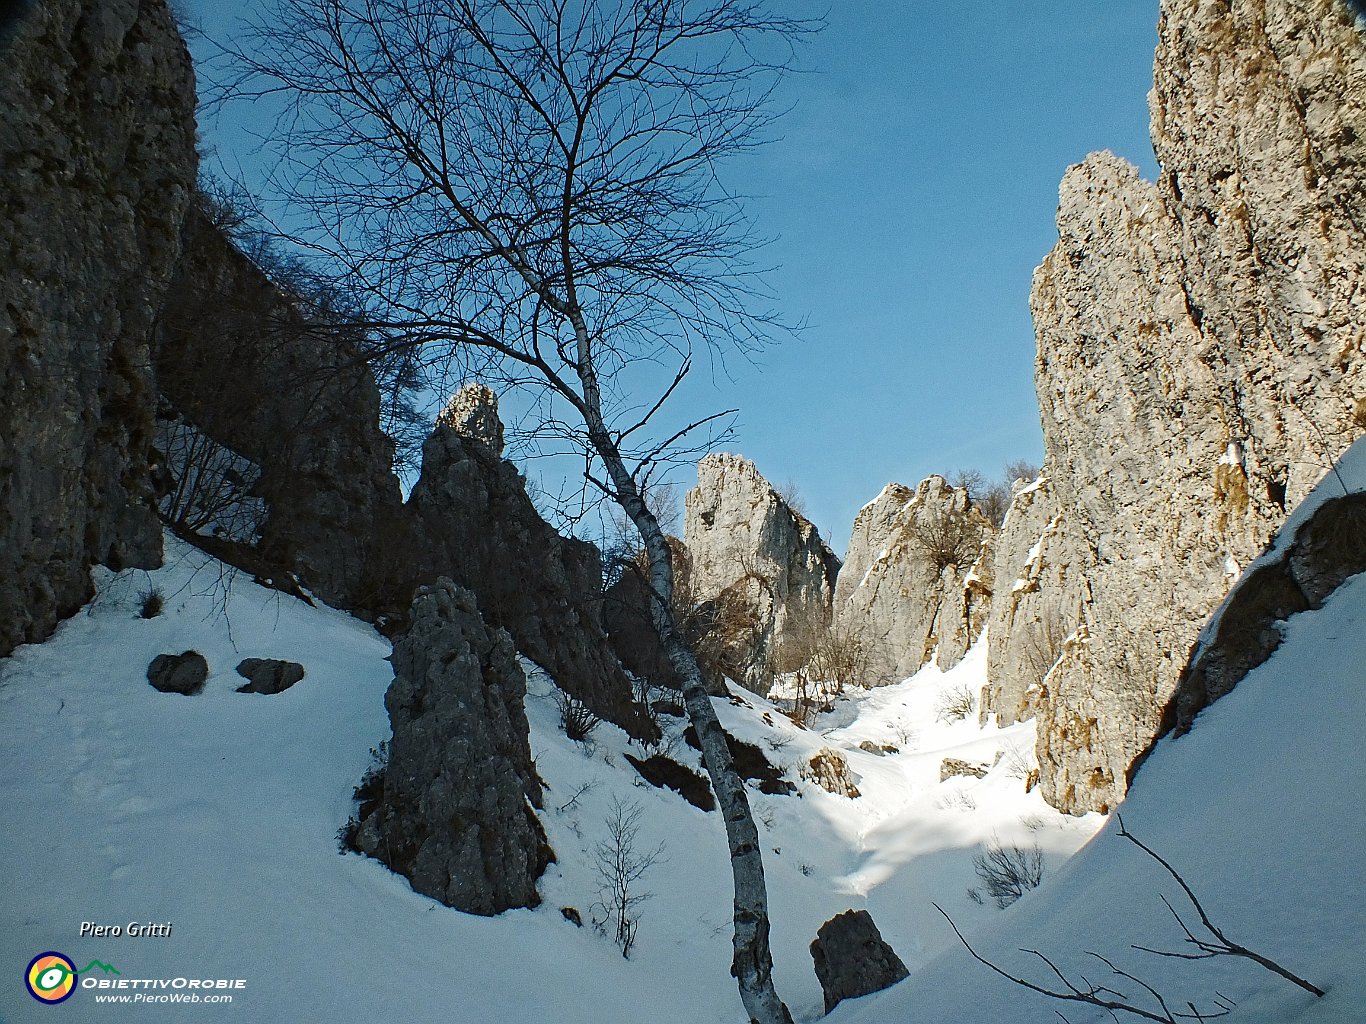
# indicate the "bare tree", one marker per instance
pixel 1205 939
pixel 527 190
pixel 621 865
pixel 947 536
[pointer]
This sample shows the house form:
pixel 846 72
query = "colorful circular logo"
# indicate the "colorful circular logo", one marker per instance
pixel 50 977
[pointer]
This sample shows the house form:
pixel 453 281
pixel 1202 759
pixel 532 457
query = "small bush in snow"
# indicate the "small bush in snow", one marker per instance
pixel 1017 760
pixel 576 718
pixel 151 602
pixel 956 704
pixel 1008 872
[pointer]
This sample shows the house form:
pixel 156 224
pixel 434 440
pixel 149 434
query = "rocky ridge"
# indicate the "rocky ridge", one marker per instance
pixel 97 156
pixel 469 517
pixel 259 374
pixel 1201 361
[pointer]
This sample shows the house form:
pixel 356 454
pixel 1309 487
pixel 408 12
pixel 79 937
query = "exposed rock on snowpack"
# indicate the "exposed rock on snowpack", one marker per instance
pixel 852 959
pixel 1201 353
pixel 761 566
pixel 455 811
pixel 916 582
pixel 97 160
pixel 268 675
pixel 184 673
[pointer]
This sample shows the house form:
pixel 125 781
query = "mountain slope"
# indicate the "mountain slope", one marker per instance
pixel 1259 807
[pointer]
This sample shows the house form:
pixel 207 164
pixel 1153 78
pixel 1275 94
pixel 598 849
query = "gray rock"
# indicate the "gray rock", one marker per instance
pixel 1327 549
pixel 1200 357
pixel 268 675
pixel 178 673
pixel 97 159
pixel 273 384
pixel 852 959
pixel 761 566
pixel 627 619
pixel 952 767
pixel 472 413
pixel 917 579
pixel 1035 608
pixel 829 769
pixel 469 518
pixel 455 812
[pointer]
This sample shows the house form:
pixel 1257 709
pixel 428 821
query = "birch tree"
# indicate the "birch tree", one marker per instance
pixel 529 189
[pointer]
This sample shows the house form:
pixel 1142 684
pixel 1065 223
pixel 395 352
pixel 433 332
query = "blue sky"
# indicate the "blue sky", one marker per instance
pixel 913 191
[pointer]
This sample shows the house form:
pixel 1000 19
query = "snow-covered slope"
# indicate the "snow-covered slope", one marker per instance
pixel 1259 807
pixel 218 813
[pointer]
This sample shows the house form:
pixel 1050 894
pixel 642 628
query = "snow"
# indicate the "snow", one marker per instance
pixel 219 813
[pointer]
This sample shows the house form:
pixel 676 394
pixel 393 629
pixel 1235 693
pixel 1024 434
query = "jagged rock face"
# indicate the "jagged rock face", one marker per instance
pixel 247 366
pixel 917 579
pixel 1034 611
pixel 1200 354
pixel 455 811
pixel 761 566
pixel 626 617
pixel 97 159
pixel 469 518
pixel 472 413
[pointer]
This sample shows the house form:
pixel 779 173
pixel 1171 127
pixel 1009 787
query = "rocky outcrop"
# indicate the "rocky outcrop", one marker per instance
pixel 469 518
pixel 454 813
pixel 97 159
pixel 917 579
pixel 761 568
pixel 852 959
pixel 829 769
pixel 261 375
pixel 1201 354
pixel 953 767
pixel 1034 611
pixel 472 413
pixel 626 617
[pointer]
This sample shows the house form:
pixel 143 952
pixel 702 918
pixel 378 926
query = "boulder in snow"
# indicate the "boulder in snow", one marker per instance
pixel 268 675
pixel 852 959
pixel 178 673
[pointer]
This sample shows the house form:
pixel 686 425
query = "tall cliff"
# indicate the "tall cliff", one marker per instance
pixel 1202 359
pixel 762 567
pixel 254 369
pixel 469 518
pixel 97 159
pixel 917 581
